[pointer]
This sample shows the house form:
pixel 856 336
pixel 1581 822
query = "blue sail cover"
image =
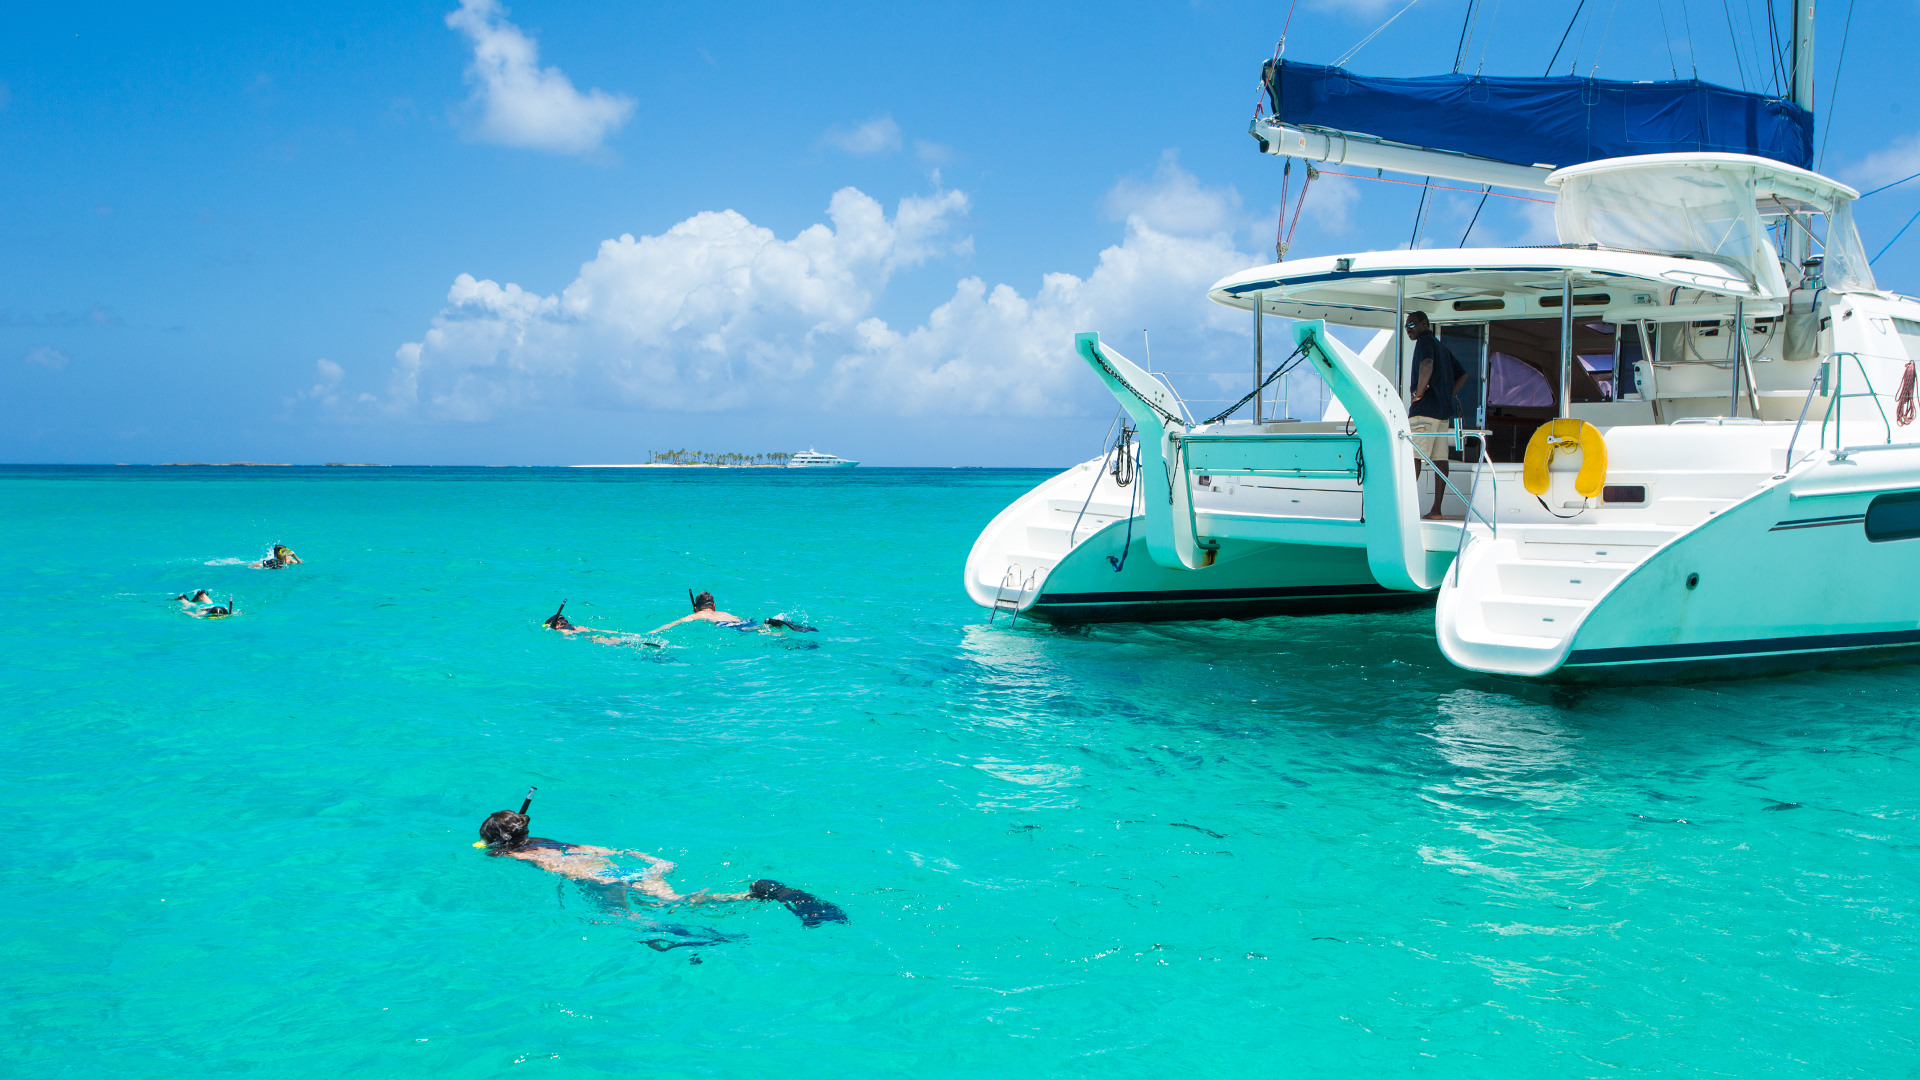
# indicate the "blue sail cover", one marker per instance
pixel 1558 120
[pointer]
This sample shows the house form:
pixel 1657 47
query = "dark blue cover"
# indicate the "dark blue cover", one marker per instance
pixel 1558 120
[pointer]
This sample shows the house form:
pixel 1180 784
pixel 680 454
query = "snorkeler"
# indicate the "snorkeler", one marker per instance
pixel 202 606
pixel 282 555
pixel 558 621
pixel 704 611
pixel 505 833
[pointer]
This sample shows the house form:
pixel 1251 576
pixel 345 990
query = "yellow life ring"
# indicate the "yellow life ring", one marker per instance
pixel 1566 436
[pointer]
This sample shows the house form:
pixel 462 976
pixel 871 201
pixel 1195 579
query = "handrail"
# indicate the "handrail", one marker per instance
pixel 1834 410
pixel 1472 510
pixel 1460 545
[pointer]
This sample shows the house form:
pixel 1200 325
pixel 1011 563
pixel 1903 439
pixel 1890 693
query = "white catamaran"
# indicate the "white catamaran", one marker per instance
pixel 1686 438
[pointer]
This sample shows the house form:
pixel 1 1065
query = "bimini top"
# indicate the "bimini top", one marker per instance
pixel 1555 121
pixel 1710 206
pixel 1490 283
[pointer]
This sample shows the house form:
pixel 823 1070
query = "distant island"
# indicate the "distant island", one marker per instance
pixel 669 459
pixel 228 464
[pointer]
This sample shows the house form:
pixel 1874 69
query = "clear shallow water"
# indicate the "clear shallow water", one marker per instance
pixel 1230 849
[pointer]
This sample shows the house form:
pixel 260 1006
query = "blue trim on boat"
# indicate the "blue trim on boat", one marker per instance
pixel 1751 647
pixel 1819 522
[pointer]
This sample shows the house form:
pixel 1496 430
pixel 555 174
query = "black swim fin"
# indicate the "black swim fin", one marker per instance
pixel 812 910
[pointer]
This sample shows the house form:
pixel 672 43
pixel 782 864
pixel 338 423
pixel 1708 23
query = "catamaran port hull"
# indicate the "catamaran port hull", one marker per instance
pixel 1074 550
pixel 1248 581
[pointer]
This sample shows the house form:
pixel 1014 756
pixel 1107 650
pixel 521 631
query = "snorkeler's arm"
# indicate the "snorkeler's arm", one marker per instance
pixel 292 558
pixel 676 622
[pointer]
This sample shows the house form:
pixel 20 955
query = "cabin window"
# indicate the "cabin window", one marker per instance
pixel 1479 305
pixel 1591 299
pixel 1625 494
pixel 1894 517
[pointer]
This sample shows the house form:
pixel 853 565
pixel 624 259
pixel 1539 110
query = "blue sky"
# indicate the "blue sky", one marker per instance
pixel 540 233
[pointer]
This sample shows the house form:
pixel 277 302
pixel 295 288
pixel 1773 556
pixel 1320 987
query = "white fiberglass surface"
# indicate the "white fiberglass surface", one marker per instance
pixel 1681 208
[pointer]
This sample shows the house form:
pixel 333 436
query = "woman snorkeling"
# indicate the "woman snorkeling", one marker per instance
pixel 504 833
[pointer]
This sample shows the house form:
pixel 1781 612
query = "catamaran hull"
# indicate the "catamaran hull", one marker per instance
pixel 1247 581
pixel 1805 572
pixel 1074 550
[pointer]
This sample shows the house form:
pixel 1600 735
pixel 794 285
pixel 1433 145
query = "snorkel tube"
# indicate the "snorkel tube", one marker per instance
pixel 551 619
pixel 691 600
pixel 490 833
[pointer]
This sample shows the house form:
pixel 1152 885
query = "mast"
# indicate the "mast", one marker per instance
pixel 1803 54
pixel 1799 247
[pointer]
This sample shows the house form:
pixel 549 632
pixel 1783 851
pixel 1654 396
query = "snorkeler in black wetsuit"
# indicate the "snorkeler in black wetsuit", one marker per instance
pixel 504 833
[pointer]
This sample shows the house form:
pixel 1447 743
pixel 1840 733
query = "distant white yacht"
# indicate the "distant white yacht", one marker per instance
pixel 814 459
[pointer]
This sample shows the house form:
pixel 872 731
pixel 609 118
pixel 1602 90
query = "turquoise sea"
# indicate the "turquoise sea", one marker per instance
pixel 1285 847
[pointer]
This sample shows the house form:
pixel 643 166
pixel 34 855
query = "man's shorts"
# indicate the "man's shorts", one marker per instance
pixel 1436 447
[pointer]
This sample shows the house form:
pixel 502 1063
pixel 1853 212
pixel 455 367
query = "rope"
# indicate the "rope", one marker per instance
pixel 1735 39
pixel 1108 368
pixel 1564 37
pixel 1903 401
pixel 1435 187
pixel 1466 24
pixel 1833 94
pixel 1286 242
pixel 1896 237
pixel 1476 216
pixel 1884 187
pixel 1126 546
pixel 1291 362
pixel 1349 54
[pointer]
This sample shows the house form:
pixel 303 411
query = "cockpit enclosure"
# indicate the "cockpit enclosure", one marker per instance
pixel 1732 207
pixel 1686 287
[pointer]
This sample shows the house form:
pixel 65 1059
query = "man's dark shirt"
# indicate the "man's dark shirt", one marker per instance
pixel 1438 402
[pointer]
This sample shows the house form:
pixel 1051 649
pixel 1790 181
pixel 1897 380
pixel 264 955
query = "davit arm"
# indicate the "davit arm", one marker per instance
pixel 1166 495
pixel 1389 494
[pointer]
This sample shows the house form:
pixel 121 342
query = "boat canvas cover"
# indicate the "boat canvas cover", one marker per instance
pixel 1555 121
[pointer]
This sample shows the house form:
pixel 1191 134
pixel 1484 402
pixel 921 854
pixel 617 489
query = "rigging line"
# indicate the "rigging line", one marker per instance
pixel 1466 23
pixel 1563 37
pixel 1673 65
pixel 1754 36
pixel 1780 47
pixel 1882 187
pixel 1349 54
pixel 1492 21
pixel 1833 92
pixel 1580 47
pixel 1419 212
pixel 1735 40
pixel 1693 56
pixel 1436 187
pixel 1602 47
pixel 1476 216
pixel 1896 237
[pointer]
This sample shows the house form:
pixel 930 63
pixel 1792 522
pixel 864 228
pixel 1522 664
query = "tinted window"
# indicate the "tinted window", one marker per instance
pixel 1894 517
pixel 1624 493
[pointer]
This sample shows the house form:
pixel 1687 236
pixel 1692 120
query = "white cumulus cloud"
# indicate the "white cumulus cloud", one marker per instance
pixel 718 313
pixel 519 102
pixel 876 135
pixel 1897 159
pixel 47 357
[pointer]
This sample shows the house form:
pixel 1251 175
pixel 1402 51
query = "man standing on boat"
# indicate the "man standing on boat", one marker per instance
pixel 1438 378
